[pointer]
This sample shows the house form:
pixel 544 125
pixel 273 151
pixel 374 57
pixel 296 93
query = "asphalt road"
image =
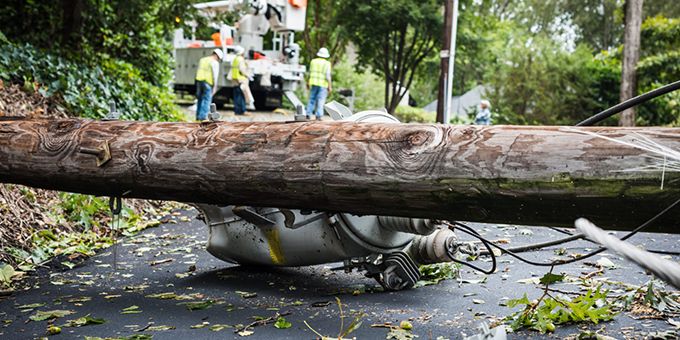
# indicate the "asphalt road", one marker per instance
pixel 171 259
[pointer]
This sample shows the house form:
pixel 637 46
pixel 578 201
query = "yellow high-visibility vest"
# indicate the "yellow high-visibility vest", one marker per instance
pixel 205 72
pixel 235 71
pixel 318 69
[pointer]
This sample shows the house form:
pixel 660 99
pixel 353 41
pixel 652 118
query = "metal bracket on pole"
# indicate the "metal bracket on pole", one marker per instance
pixel 103 153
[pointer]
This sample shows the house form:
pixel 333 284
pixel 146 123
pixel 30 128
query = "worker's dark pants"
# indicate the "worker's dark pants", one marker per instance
pixel 203 98
pixel 239 101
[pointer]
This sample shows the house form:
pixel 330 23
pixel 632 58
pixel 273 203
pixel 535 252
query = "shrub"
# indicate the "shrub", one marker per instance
pixel 87 90
pixel 408 114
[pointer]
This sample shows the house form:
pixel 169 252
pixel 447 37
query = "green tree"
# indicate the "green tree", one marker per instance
pixel 322 29
pixel 659 65
pixel 393 38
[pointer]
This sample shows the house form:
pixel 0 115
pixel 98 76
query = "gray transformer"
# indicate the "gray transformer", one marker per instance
pixel 386 248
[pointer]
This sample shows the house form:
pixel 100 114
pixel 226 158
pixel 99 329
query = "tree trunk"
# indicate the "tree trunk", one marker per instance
pixel 631 55
pixel 505 174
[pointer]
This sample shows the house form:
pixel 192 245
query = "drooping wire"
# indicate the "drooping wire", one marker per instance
pixel 468 230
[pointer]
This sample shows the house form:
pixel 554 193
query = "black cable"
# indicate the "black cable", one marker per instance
pixel 466 229
pixel 630 103
pixel 563 262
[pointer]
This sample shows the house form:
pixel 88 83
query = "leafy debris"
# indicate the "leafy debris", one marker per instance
pixel 52 314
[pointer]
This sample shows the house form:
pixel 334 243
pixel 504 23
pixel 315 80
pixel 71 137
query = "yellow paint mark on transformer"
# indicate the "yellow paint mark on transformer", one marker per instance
pixel 275 253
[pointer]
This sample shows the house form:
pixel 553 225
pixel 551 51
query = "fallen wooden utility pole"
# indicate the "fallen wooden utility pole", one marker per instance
pixel 504 174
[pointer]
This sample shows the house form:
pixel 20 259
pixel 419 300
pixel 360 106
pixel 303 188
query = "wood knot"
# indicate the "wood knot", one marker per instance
pixel 417 138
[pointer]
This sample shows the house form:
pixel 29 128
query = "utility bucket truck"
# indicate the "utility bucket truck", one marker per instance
pixel 275 73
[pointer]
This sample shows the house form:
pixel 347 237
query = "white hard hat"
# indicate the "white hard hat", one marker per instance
pixel 323 53
pixel 485 103
pixel 238 50
pixel 219 53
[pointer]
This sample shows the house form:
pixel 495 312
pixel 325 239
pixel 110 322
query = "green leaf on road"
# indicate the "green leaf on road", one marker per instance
pixel 52 314
pixel 246 295
pixel 163 296
pixel 84 321
pixel 131 310
pixel 199 305
pixel 31 306
pixel 282 323
pixel 218 327
pixel 549 278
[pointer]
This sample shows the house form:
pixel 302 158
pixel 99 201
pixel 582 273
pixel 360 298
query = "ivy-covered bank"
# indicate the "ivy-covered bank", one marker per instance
pixel 86 90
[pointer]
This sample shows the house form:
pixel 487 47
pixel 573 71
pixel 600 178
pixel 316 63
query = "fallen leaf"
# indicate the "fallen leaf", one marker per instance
pixel 199 305
pixel 68 264
pixel 245 333
pixel 246 295
pixel 52 314
pixel 84 321
pixel 131 310
pixel 282 323
pixel 218 327
pixel 549 278
pixel 200 325
pixel 31 306
pixel 163 296
pixel 79 299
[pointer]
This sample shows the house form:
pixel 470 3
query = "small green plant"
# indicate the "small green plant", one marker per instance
pixel 432 274
pixel 548 310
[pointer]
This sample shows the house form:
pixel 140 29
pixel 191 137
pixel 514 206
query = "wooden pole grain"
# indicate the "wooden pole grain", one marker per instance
pixel 503 174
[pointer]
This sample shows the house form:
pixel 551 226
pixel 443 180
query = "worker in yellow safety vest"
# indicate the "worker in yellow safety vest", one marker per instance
pixel 206 82
pixel 239 74
pixel 320 82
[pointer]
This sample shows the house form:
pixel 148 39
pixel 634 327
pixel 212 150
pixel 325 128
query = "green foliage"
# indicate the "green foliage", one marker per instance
pixel 432 274
pixel 282 323
pixel 135 31
pixel 84 321
pixel 368 89
pixel 82 209
pixel 7 274
pixel 408 114
pixel 549 278
pixel 540 83
pixel 323 29
pixel 393 38
pixel 659 65
pixel 88 90
pixel 51 314
pixel 544 314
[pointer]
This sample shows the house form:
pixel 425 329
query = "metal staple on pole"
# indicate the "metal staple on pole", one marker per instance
pixel 666 270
